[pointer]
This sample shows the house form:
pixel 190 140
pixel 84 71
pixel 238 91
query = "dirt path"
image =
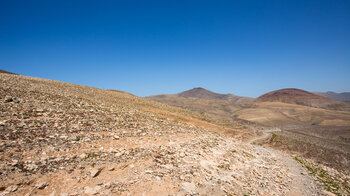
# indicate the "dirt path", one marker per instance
pixel 302 182
pixel 265 134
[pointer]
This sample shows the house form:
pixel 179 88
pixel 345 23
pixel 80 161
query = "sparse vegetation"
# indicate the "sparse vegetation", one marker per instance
pixel 333 182
pixel 248 154
pixel 322 151
pixel 273 137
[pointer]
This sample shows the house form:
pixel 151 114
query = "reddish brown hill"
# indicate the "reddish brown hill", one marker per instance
pixel 301 97
pixel 289 95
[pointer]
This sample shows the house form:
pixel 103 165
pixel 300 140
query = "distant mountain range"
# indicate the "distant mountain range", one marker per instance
pixel 287 108
pixel 206 94
pixel 332 95
pixel 288 95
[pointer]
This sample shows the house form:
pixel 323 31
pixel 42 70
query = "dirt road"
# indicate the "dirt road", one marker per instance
pixel 302 182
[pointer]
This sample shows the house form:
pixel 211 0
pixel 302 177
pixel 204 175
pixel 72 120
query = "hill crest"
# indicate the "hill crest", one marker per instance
pixel 287 93
pixel 6 72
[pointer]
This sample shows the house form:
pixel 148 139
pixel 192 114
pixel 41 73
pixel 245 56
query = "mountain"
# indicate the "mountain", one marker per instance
pixel 332 95
pixel 206 94
pixel 301 97
pixel 58 138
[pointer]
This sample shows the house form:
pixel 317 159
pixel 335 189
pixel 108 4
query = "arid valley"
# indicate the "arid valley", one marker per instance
pixel 65 139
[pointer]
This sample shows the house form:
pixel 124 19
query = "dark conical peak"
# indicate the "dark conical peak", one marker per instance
pixel 200 92
pixel 203 93
pixel 198 88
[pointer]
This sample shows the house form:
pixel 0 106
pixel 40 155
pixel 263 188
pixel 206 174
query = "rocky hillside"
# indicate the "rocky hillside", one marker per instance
pixel 65 139
pixel 301 97
pixel 206 94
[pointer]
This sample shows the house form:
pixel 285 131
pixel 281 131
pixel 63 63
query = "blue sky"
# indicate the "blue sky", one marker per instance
pixel 151 47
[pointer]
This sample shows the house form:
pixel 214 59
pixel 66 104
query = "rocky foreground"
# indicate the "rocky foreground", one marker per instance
pixel 63 139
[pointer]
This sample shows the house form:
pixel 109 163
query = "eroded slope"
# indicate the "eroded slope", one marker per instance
pixel 64 139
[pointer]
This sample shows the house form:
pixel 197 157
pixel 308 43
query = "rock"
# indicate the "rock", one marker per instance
pixel 41 185
pixel 2 122
pixel 116 137
pixel 182 177
pixel 107 185
pixel 21 124
pixel 188 187
pixel 83 156
pixel 14 162
pixel 182 155
pixel 148 171
pixel 31 167
pixel 4 193
pixel 74 138
pixel 327 193
pixel 91 190
pixel 8 99
pixel 12 188
pixel 95 172
pixel 111 168
pixel 118 154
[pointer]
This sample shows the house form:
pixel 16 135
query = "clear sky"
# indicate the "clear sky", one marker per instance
pixel 152 47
